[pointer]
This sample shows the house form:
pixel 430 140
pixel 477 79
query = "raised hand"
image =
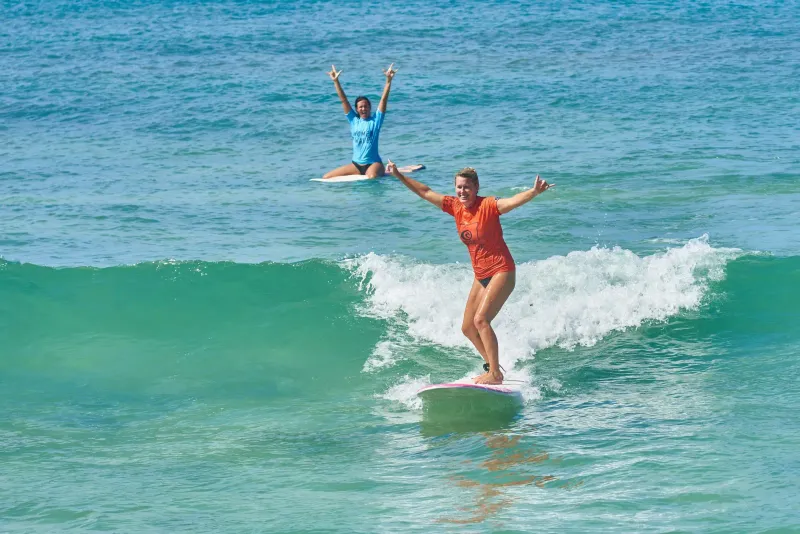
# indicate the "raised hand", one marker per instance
pixel 390 72
pixel 540 186
pixel 333 73
pixel 391 168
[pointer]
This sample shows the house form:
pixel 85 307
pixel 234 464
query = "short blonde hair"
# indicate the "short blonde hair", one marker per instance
pixel 469 173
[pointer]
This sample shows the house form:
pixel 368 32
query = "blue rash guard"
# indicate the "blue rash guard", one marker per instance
pixel 365 135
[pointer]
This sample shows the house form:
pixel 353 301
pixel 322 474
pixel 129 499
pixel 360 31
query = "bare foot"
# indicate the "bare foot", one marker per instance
pixel 485 368
pixel 490 378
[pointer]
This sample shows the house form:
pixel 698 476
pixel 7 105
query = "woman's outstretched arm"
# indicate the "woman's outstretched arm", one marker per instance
pixel 504 205
pixel 334 74
pixel 422 190
pixel 386 88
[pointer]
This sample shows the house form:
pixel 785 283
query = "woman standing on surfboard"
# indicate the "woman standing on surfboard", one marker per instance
pixel 365 129
pixel 478 224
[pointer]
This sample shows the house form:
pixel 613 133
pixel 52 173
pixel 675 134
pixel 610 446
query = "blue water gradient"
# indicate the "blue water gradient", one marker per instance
pixel 185 347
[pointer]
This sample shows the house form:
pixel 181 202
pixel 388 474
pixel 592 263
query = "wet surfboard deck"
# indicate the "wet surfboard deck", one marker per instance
pixel 469 390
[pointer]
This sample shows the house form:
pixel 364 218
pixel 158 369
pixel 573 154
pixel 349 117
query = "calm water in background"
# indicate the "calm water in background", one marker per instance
pixel 193 336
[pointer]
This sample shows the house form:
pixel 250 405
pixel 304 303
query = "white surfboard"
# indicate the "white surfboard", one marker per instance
pixel 361 177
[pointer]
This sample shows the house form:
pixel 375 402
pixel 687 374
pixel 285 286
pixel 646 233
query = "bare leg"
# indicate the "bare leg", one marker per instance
pixel 495 295
pixel 375 170
pixel 468 324
pixel 344 170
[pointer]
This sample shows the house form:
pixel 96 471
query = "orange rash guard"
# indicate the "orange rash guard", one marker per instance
pixel 479 228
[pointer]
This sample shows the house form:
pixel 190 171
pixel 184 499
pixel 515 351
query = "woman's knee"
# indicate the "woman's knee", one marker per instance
pixel 468 329
pixel 480 322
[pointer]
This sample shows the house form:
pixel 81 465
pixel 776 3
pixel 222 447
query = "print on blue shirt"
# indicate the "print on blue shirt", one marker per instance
pixel 365 135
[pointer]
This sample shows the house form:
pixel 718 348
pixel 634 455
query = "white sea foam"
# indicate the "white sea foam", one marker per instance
pixel 405 392
pixel 563 301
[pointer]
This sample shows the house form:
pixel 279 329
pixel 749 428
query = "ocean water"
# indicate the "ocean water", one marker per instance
pixel 194 337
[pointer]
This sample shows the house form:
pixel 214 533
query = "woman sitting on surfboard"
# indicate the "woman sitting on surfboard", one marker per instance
pixel 365 129
pixel 478 224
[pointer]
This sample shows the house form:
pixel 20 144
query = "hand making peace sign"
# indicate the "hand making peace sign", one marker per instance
pixel 390 72
pixel 333 73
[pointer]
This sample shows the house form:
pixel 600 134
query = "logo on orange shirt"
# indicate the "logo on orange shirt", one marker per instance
pixel 469 233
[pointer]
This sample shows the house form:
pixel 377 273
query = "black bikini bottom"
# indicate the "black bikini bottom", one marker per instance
pixel 362 168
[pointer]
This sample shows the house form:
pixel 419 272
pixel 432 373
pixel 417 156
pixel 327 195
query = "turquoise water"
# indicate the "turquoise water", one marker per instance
pixel 195 337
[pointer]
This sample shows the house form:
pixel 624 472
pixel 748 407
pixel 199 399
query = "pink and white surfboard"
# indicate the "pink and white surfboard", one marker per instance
pixel 468 390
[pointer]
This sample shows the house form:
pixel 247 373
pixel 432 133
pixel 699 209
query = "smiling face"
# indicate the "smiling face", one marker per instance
pixel 363 108
pixel 466 190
